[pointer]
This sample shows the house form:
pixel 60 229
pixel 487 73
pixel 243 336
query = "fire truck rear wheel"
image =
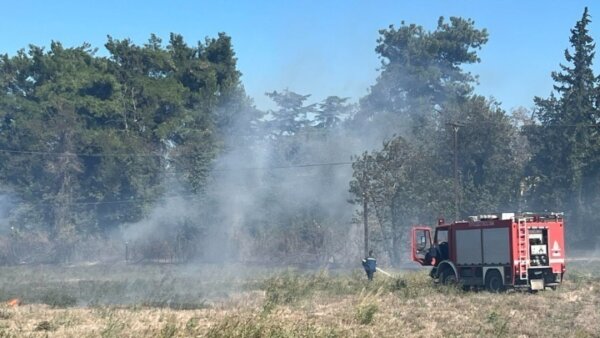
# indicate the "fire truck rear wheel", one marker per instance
pixel 493 281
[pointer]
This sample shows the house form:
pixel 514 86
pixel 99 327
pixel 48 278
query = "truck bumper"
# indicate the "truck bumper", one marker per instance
pixel 537 284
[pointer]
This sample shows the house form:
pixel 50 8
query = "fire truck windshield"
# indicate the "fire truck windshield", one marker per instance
pixel 441 235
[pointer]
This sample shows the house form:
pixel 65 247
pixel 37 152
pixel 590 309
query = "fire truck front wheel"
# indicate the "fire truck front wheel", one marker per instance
pixel 493 281
pixel 447 277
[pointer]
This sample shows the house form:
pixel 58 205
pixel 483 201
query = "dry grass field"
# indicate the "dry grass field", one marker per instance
pixel 175 301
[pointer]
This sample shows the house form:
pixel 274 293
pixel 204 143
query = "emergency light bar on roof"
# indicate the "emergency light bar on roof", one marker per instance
pixel 527 216
pixel 540 217
pixel 492 217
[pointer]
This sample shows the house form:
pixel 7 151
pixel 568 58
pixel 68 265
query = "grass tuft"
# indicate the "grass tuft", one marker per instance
pixel 365 313
pixel 114 327
pixel 5 314
pixel 44 326
pixel 169 330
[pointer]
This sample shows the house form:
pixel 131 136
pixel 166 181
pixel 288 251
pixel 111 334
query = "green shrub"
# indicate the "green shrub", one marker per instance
pixel 191 325
pixel 113 328
pixel 287 288
pixel 5 314
pixel 365 313
pixel 499 323
pixel 169 330
pixel 44 326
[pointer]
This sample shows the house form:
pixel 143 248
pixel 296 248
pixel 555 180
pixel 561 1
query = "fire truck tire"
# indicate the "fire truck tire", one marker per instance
pixel 493 281
pixel 448 277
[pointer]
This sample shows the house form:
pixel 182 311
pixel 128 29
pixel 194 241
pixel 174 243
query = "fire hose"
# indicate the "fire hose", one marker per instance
pixel 385 273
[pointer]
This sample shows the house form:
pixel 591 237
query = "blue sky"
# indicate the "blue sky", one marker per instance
pixel 316 47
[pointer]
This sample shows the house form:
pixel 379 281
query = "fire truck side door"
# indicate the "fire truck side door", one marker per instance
pixel 420 244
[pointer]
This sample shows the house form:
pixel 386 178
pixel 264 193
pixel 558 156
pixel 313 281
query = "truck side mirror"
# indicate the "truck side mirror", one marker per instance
pixel 422 243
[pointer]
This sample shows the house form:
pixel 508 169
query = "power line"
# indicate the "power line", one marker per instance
pixel 69 154
pixel 564 125
pixel 155 155
pixel 123 201
pixel 307 165
pixel 134 200
pixel 137 200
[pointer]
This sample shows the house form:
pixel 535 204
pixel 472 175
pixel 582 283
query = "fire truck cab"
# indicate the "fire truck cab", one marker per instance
pixel 496 251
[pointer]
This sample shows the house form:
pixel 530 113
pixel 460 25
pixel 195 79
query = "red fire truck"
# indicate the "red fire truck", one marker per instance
pixel 495 251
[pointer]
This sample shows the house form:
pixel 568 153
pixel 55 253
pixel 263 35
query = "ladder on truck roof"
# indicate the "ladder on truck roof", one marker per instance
pixel 523 248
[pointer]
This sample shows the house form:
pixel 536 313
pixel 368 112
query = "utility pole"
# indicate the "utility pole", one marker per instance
pixel 455 126
pixel 365 211
pixel 126 252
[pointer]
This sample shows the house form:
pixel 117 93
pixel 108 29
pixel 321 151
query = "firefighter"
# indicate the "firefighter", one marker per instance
pixel 370 265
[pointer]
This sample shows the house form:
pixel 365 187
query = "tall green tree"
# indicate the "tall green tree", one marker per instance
pixel 291 114
pixel 87 141
pixel 66 91
pixel 421 72
pixel 564 164
pixel 421 94
pixel 331 111
pixel 402 188
pixel 489 165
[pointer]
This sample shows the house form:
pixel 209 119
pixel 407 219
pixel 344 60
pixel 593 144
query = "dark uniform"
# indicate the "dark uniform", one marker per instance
pixel 370 265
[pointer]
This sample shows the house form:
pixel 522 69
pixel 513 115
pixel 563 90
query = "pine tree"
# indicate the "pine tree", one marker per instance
pixel 563 143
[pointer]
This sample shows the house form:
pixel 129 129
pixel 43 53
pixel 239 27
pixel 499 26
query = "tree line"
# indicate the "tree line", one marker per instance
pixel 90 144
